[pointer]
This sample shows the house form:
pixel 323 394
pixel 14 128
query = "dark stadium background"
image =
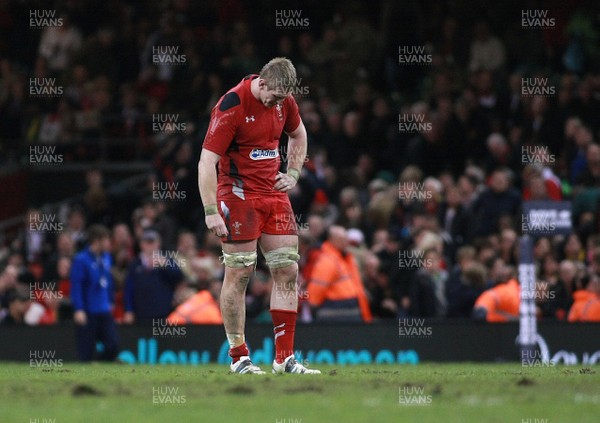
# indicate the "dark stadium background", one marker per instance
pixel 354 94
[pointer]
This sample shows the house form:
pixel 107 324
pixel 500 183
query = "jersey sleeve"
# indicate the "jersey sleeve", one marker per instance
pixel 292 115
pixel 223 124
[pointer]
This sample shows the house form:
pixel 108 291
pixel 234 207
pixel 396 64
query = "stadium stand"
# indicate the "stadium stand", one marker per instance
pixel 416 162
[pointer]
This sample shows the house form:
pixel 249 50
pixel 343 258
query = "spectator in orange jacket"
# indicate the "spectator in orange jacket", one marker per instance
pixel 198 308
pixel 586 307
pixel 500 303
pixel 335 289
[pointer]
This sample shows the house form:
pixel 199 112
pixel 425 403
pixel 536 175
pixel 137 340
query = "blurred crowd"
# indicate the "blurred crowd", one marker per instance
pixel 419 223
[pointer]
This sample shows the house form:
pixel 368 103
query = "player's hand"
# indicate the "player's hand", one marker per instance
pixel 80 318
pixel 284 182
pixel 215 224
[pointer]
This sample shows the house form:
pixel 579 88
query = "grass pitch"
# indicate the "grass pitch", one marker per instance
pixel 384 393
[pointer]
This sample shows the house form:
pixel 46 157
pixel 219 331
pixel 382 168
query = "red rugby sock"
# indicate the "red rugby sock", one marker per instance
pixel 239 351
pixel 284 323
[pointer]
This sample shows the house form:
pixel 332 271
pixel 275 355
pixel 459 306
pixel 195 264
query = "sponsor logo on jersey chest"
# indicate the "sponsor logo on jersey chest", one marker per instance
pixel 258 154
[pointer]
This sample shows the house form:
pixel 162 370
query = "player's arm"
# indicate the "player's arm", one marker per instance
pixel 207 184
pixel 221 131
pixel 297 145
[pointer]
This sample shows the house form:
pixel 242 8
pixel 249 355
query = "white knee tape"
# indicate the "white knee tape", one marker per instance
pixel 281 257
pixel 239 260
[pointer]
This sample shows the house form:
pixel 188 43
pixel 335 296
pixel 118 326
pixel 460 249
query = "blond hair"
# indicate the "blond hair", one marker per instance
pixel 279 74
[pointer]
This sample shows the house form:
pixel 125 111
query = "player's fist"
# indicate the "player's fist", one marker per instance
pixel 284 182
pixel 215 224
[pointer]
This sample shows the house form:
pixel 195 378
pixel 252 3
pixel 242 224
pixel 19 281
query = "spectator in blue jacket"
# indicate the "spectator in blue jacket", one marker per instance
pixel 151 280
pixel 92 295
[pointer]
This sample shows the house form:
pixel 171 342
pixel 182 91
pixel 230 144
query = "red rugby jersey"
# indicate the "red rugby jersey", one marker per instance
pixel 245 133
